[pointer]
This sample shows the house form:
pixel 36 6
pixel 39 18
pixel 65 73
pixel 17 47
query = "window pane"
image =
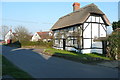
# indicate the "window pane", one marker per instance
pixel 61 43
pixel 96 44
pixel 56 41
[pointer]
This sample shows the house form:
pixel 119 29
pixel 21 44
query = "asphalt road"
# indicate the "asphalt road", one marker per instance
pixel 42 66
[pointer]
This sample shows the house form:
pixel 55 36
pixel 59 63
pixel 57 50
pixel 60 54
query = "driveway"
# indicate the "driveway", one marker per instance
pixel 43 66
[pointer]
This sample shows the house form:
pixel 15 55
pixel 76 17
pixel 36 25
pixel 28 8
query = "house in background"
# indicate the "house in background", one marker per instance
pixel 9 36
pixel 44 36
pixel 80 30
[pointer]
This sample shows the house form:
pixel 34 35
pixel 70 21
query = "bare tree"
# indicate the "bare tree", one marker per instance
pixel 22 34
pixel 3 31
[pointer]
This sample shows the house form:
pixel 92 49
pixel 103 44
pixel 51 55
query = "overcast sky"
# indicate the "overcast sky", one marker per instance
pixel 38 16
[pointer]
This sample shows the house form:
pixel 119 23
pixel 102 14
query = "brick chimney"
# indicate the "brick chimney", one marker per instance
pixel 76 6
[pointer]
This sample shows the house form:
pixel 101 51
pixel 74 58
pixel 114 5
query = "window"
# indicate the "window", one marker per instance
pixel 96 44
pixel 61 43
pixel 69 42
pixel 56 41
pixel 76 29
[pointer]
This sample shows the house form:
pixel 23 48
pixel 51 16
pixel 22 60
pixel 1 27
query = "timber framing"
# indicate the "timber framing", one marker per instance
pixel 92 24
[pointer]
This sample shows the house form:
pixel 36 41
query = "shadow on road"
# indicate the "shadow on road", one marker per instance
pixel 14 44
pixel 44 66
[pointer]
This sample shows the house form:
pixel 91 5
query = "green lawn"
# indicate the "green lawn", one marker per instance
pixel 84 58
pixel 9 69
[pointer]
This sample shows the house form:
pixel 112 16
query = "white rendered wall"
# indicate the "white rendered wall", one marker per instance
pixel 85 51
pixel 58 48
pixel 95 30
pixel 87 43
pixel 9 35
pixel 35 37
pixel 98 30
pixel 71 49
pixel 87 31
pixel 102 31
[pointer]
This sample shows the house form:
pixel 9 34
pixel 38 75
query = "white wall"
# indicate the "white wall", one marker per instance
pixel 102 31
pixel 98 30
pixel 9 35
pixel 87 32
pixel 85 51
pixel 35 37
pixel 95 30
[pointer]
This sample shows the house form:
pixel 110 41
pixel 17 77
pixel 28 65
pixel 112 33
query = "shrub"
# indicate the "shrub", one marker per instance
pixel 38 43
pixel 113 49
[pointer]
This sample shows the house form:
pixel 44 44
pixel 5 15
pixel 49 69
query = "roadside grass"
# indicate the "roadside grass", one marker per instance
pixel 37 47
pixel 9 69
pixel 74 56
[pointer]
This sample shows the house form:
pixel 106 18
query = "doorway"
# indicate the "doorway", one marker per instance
pixel 64 44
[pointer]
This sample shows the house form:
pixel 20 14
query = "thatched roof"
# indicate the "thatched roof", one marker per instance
pixel 78 17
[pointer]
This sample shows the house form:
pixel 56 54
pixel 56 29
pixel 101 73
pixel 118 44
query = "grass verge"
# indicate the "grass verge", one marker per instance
pixel 9 69
pixel 84 58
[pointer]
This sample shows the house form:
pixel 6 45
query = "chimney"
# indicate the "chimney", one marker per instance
pixel 76 6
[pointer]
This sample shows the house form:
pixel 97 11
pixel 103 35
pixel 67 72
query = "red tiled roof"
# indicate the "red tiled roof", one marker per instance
pixel 44 35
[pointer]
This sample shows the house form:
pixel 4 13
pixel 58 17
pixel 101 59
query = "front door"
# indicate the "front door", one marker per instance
pixel 104 44
pixel 64 43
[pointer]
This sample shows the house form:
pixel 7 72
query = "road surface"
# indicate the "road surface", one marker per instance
pixel 43 66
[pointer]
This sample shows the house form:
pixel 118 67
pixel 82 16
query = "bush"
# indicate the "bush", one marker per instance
pixel 113 49
pixel 38 43
pixel 22 43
